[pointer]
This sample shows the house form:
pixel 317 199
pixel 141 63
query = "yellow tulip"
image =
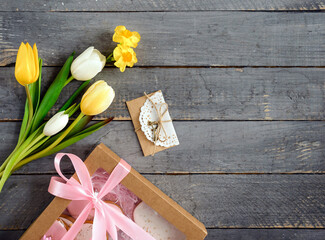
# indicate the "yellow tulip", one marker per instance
pixel 124 56
pixel 97 98
pixel 27 66
pixel 126 37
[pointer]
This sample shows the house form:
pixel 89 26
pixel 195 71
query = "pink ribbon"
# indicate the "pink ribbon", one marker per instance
pixel 46 238
pixel 106 218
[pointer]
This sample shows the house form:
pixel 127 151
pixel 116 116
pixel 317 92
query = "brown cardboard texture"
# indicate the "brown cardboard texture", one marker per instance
pixel 103 157
pixel 134 106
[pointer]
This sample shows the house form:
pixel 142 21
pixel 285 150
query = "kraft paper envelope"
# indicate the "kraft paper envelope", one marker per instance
pixel 134 106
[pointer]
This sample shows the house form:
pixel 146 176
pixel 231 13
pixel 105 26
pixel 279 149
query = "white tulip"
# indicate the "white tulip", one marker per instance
pixel 88 64
pixel 56 124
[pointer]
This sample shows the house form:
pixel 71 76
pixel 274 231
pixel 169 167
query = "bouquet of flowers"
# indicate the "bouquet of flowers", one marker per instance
pixel 39 137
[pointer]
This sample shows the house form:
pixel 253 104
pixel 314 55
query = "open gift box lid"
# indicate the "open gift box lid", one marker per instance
pixel 103 157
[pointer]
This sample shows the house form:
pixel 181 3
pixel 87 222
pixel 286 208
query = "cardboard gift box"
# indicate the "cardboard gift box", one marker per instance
pixel 103 158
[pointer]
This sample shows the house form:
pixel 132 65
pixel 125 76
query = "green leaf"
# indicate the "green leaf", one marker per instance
pixel 18 155
pixel 74 109
pixel 96 126
pixel 38 88
pixel 23 124
pixel 68 142
pixel 80 125
pixel 77 129
pixel 52 94
pixel 35 88
pixel 88 131
pixel 74 96
pixel 69 110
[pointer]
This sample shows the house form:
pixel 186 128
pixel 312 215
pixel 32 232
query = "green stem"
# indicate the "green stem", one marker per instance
pixel 4 164
pixel 32 149
pixel 110 58
pixel 69 80
pixel 36 140
pixel 74 95
pixel 18 154
pixel 74 110
pixel 24 151
pixel 30 115
pixel 67 143
pixel 30 105
pixel 16 157
pixel 23 155
pixel 56 142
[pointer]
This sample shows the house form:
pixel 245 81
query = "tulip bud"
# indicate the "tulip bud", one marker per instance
pixel 56 124
pixel 27 65
pixel 97 98
pixel 88 64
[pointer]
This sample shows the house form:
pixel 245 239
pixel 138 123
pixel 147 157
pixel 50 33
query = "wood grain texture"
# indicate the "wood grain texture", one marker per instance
pixel 162 5
pixel 219 201
pixel 265 234
pixel 243 179
pixel 173 39
pixel 226 234
pixel 11 235
pixel 198 93
pixel 205 147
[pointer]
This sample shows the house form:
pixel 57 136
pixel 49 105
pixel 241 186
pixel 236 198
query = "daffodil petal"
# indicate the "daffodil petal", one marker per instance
pixel 120 28
pixel 126 37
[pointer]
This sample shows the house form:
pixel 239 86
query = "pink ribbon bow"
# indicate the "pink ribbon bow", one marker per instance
pixel 46 238
pixel 106 218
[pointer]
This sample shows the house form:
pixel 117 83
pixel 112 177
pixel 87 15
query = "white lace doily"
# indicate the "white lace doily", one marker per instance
pixel 148 114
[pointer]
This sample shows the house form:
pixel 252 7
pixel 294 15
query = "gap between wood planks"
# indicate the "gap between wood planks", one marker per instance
pixel 163 6
pixel 194 173
pixel 315 10
pixel 209 228
pixel 171 66
pixel 122 119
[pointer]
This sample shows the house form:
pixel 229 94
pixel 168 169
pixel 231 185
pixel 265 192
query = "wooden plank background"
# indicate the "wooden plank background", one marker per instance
pixel 245 85
pixel 207 147
pixel 174 38
pixel 257 201
pixel 163 5
pixel 199 93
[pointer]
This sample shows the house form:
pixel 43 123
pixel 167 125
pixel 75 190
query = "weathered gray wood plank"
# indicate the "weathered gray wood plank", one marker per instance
pixel 205 147
pixel 174 39
pixel 219 201
pixel 199 93
pixel 11 235
pixel 161 5
pixel 226 234
pixel 265 234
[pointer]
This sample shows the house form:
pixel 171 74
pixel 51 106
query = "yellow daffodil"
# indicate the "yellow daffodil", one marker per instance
pixel 27 65
pixel 126 37
pixel 97 98
pixel 124 56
